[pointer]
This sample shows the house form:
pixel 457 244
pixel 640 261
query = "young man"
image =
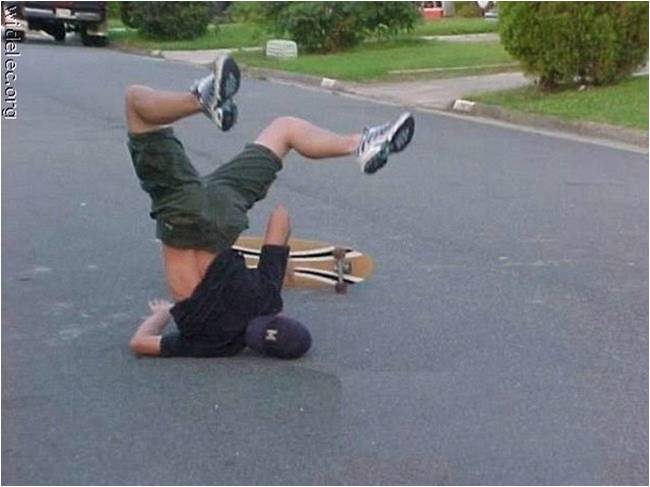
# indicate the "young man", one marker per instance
pixel 221 306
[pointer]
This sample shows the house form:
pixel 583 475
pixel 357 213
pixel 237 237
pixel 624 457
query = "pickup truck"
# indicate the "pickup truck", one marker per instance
pixel 56 18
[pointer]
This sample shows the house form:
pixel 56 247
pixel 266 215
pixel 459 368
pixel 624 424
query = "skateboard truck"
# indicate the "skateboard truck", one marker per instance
pixel 312 263
pixel 342 267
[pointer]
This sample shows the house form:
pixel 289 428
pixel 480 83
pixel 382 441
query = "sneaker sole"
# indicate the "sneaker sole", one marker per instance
pixel 227 72
pixel 403 133
pixel 376 162
pixel 228 119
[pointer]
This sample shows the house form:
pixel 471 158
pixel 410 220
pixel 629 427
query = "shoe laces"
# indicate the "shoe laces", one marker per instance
pixel 377 132
pixel 370 135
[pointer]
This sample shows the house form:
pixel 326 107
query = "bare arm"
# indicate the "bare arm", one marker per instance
pixel 278 227
pixel 146 339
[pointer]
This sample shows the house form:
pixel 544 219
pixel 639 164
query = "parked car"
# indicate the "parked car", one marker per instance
pixel 56 18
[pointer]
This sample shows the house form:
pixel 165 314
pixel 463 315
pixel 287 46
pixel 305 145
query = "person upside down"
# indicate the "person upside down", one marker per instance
pixel 221 306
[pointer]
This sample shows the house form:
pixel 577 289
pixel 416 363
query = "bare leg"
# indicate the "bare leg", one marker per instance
pixel 147 109
pixel 286 133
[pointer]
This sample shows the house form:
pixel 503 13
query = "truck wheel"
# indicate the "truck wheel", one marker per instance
pixel 93 41
pixel 58 32
pixel 100 41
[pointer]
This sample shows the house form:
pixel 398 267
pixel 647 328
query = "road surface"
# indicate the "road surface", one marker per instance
pixel 502 340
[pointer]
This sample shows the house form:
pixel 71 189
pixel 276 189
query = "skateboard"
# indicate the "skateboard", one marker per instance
pixel 314 264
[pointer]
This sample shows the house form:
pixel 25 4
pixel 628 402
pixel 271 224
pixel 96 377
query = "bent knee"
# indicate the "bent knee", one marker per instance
pixel 133 99
pixel 286 121
pixel 134 93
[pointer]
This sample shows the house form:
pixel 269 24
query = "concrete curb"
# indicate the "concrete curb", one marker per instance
pixel 136 51
pixel 588 129
pixel 272 74
pixel 298 78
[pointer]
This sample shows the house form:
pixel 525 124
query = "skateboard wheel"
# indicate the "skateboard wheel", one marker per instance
pixel 341 288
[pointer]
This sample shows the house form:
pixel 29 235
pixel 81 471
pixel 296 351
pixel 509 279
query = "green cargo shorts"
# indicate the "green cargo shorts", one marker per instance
pixel 199 212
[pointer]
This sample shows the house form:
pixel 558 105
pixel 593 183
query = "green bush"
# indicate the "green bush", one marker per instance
pixel 127 14
pixel 388 19
pixel 568 42
pixel 322 26
pixel 467 9
pixel 631 27
pixel 331 26
pixel 167 20
pixel 113 10
pixel 246 12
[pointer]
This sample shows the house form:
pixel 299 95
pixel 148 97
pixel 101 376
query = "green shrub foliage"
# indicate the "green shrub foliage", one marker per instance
pixel 567 42
pixel 127 14
pixel 246 12
pixel 388 19
pixel 332 26
pixel 113 10
pixel 167 20
pixel 467 9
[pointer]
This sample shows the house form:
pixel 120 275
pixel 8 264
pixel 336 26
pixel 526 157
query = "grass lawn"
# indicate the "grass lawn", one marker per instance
pixel 114 23
pixel 454 26
pixel 221 36
pixel 623 104
pixel 375 60
pixel 247 35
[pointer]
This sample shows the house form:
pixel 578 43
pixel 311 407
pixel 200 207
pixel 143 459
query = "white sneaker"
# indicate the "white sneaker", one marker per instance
pixel 216 90
pixel 380 141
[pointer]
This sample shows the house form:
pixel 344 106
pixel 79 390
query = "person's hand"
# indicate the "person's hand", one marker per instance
pixel 160 306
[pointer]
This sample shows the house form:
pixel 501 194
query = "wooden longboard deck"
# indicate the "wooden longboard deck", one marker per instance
pixel 312 263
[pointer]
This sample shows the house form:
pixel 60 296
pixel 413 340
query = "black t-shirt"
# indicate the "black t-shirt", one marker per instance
pixel 212 322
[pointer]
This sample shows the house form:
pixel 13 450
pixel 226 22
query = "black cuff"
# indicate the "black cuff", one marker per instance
pixel 275 251
pixel 273 263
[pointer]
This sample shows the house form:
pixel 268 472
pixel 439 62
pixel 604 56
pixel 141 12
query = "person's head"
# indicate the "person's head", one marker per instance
pixel 278 336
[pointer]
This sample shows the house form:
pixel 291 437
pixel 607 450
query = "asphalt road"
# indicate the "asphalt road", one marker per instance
pixel 502 340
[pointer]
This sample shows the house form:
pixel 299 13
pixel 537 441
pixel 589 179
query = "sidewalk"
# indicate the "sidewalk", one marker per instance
pixel 437 94
pixel 487 37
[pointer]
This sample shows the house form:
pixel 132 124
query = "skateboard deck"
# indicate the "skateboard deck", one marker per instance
pixel 314 264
